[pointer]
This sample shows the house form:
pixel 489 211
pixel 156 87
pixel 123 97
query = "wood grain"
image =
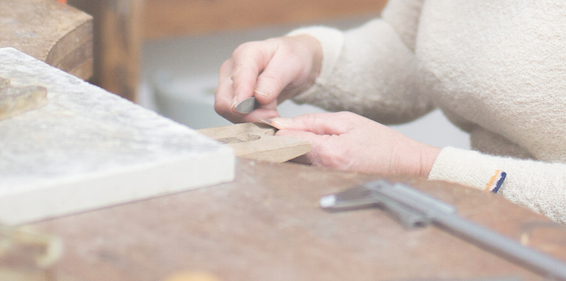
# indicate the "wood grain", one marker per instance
pixel 266 225
pixel 120 24
pixel 117 44
pixel 166 18
pixel 49 31
pixel 257 141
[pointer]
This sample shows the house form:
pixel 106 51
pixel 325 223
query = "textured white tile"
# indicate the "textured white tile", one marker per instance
pixel 89 148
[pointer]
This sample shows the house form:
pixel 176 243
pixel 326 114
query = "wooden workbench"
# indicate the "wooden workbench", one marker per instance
pixel 52 32
pixel 266 225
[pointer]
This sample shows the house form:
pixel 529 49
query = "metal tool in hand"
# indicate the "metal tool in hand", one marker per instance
pixel 246 106
pixel 416 209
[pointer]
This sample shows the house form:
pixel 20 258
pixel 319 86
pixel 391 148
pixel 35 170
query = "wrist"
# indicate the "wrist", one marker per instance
pixel 427 157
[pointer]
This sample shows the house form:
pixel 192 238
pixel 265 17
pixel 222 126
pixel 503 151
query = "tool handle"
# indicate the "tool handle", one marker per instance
pixel 409 197
pixel 494 242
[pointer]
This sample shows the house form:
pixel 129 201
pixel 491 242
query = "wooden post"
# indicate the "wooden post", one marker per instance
pixel 117 43
pixel 120 40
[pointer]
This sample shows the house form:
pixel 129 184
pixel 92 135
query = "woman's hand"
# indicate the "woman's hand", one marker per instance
pixel 272 70
pixel 350 142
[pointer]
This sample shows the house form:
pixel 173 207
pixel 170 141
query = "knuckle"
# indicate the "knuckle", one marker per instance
pixel 226 66
pixel 245 49
pixel 243 66
pixel 310 119
pixel 272 80
pixel 345 120
pixel 242 48
pixel 221 102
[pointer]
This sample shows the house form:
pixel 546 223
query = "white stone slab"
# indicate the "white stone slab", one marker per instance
pixel 88 148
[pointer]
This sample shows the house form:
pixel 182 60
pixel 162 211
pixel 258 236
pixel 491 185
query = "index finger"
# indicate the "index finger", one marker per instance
pixel 317 123
pixel 249 60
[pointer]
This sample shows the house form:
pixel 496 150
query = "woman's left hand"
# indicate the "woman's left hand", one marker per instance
pixel 350 142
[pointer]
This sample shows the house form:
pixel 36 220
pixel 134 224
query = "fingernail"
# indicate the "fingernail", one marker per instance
pixel 281 123
pixel 261 93
pixel 234 103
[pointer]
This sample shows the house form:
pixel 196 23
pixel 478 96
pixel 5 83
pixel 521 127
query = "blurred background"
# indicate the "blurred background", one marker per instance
pixel 165 54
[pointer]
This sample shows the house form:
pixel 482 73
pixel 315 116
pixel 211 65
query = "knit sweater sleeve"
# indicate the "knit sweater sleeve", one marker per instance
pixel 539 186
pixel 371 70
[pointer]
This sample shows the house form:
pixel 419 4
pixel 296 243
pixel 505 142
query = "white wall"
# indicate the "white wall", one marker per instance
pixel 179 76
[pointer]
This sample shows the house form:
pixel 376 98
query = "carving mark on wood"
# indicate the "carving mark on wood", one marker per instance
pixel 258 141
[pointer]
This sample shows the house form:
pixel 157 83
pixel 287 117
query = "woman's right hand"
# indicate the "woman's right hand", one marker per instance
pixel 272 71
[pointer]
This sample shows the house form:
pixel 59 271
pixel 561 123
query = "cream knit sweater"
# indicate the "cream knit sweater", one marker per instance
pixel 497 69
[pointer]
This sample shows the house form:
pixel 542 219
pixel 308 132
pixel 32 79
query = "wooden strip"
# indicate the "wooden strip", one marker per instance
pixel 242 130
pixel 272 149
pixel 163 18
pixel 120 46
pixel 257 141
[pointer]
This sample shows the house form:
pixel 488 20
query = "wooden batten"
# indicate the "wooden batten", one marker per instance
pixel 257 141
pixel 121 45
pixel 166 18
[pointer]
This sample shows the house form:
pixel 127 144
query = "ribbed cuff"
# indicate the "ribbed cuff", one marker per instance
pixel 469 168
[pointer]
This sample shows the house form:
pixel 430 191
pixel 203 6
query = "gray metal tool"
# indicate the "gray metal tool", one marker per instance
pixel 416 209
pixel 248 105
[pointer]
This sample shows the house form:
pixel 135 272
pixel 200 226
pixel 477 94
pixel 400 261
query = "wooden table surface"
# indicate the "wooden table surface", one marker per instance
pixel 267 225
